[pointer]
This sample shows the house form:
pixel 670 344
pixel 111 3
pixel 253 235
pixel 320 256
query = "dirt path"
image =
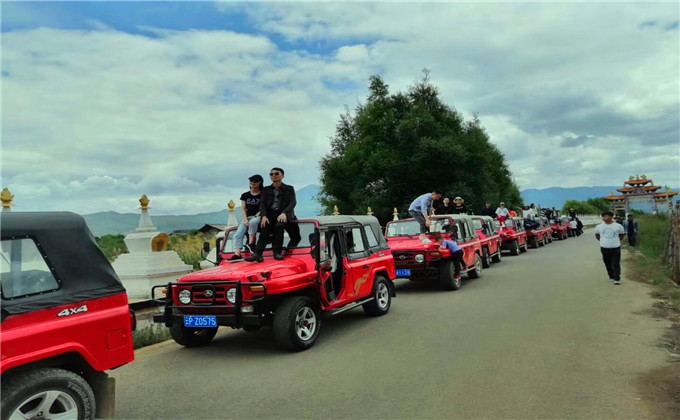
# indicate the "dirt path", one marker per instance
pixel 541 335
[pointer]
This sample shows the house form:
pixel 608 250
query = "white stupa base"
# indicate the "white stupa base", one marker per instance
pixel 139 287
pixel 141 271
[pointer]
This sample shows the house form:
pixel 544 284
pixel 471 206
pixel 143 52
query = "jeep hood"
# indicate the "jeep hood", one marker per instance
pixel 410 244
pixel 243 270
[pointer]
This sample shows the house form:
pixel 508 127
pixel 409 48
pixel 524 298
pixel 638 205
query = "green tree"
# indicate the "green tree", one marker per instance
pixel 599 203
pixel 112 246
pixel 397 146
pixel 581 207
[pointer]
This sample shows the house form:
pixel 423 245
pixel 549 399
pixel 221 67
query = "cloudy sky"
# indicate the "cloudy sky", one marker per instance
pixel 102 102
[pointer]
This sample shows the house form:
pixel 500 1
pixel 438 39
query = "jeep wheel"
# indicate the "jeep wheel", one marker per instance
pixel 486 261
pixel 382 298
pixel 534 242
pixel 542 242
pixel 47 393
pixel 525 247
pixel 191 337
pixel 447 276
pixel 297 323
pixel 476 271
pixel 514 247
pixel 497 258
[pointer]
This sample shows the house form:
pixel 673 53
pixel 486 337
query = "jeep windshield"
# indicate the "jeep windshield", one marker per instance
pixel 477 223
pixel 412 227
pixel 306 233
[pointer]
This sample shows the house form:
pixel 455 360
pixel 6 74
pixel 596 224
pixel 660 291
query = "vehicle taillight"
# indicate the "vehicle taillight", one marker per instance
pixel 133 320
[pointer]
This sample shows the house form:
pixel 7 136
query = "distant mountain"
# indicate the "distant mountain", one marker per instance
pixel 556 197
pixel 112 223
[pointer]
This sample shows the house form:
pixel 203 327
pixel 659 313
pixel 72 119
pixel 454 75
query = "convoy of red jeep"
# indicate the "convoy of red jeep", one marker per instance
pixel 66 319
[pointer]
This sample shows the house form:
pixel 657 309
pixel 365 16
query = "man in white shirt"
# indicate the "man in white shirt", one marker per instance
pixel 610 234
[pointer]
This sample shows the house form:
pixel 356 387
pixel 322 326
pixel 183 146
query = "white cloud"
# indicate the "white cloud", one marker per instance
pixel 93 119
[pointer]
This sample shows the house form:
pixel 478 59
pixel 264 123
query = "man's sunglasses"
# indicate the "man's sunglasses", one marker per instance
pixel 274 173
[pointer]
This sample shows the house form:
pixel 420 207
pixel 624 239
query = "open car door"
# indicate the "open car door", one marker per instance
pixel 324 265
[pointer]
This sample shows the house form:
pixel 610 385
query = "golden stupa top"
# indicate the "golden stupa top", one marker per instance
pixel 144 201
pixel 6 196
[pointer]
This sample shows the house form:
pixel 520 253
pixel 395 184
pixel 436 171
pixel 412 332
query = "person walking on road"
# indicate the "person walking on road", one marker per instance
pixel 631 228
pixel 610 234
pixel 421 208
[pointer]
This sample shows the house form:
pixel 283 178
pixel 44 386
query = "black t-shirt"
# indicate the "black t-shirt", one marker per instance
pixel 252 203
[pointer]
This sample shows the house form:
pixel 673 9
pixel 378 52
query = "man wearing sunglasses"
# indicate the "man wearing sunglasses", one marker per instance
pixel 277 207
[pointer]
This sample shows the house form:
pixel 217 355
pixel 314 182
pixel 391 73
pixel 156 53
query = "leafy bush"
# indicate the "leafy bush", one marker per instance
pixel 112 246
pixel 151 334
pixel 189 247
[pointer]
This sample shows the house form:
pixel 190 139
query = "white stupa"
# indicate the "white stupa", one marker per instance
pixel 148 262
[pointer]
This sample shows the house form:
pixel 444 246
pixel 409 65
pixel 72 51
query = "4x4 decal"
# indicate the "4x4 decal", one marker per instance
pixel 72 311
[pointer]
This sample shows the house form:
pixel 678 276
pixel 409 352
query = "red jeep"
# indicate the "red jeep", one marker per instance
pixel 65 319
pixel 341 263
pixel 537 234
pixel 418 261
pixel 559 229
pixel 488 234
pixel 514 236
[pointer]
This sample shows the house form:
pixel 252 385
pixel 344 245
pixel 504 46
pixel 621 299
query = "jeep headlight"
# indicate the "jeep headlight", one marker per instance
pixel 231 295
pixel 420 258
pixel 185 296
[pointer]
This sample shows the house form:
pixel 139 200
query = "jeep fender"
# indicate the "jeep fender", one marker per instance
pixel 51 352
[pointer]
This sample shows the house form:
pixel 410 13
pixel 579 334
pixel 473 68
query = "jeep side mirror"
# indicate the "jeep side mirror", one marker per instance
pixel 206 250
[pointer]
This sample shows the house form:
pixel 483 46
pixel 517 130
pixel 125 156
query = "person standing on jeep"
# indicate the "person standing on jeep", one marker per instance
pixel 459 207
pixel 420 210
pixel 445 208
pixel 250 216
pixel 277 209
pixel 488 210
pixel 502 212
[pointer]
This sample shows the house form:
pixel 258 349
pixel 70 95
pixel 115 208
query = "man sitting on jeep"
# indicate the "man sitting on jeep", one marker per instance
pixel 277 208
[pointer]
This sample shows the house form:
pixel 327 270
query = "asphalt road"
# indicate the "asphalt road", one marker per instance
pixel 540 335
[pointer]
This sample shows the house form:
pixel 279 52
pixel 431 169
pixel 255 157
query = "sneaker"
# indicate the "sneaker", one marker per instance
pixel 611 280
pixel 617 282
pixel 235 258
pixel 278 257
pixel 426 241
pixel 255 258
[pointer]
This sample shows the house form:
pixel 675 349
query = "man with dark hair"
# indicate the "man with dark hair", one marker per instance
pixel 420 210
pixel 277 208
pixel 631 228
pixel 488 210
pixel 610 234
pixel 445 208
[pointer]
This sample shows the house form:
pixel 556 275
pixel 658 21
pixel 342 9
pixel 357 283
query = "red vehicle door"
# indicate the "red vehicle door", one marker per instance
pixel 357 263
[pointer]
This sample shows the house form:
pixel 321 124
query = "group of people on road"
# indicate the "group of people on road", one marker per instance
pixel 271 210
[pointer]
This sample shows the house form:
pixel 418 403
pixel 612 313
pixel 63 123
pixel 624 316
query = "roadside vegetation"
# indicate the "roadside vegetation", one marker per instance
pixel 187 245
pixel 590 206
pixel 151 334
pixel 649 264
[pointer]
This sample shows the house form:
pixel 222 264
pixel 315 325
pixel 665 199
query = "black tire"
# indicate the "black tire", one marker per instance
pixel 514 247
pixel 486 258
pixel 251 328
pixel 497 258
pixel 288 330
pixel 542 242
pixel 192 337
pixel 534 242
pixel 22 393
pixel 447 276
pixel 525 247
pixel 476 271
pixel 382 298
